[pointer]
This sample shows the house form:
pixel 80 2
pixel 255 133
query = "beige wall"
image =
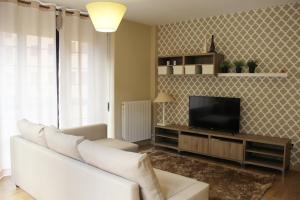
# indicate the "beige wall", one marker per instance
pixel 132 66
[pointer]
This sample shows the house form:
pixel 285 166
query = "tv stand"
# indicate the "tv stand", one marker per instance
pixel 246 149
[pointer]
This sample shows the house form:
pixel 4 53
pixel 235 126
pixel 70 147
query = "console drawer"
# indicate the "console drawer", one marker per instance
pixel 226 149
pixel 193 144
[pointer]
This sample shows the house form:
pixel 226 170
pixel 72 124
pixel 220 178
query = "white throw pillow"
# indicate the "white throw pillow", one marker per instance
pixel 63 143
pixel 32 131
pixel 132 166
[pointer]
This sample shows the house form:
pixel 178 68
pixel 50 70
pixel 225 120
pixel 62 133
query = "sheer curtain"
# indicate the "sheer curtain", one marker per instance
pixel 83 72
pixel 27 69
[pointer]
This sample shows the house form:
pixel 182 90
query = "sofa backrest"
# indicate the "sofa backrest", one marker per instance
pixel 48 175
pixel 90 132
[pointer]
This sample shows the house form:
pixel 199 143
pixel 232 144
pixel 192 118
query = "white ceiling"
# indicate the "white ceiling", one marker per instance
pixel 156 12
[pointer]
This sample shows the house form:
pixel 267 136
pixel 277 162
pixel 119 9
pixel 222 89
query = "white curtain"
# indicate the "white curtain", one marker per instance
pixel 83 72
pixel 27 69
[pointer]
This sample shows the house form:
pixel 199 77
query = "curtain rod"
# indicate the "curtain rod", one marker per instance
pixel 42 5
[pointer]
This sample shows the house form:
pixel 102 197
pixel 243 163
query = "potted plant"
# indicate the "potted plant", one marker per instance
pixel 239 65
pixel 225 66
pixel 252 64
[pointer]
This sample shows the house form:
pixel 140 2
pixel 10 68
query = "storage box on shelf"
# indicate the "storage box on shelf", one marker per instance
pixel 208 69
pixel 264 151
pixel 178 70
pixel 192 69
pixel 165 70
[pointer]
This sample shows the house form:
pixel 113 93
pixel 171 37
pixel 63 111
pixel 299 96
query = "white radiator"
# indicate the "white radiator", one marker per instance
pixel 136 120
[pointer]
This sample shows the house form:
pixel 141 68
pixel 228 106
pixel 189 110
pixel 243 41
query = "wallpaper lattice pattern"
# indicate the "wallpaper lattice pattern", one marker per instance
pixel 269 106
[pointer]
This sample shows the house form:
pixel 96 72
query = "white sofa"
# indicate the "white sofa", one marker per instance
pixel 48 175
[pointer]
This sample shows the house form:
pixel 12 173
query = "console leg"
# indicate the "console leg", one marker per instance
pixel 283 173
pixel 242 165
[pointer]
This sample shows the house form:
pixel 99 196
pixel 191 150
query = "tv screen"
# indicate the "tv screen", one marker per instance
pixel 215 113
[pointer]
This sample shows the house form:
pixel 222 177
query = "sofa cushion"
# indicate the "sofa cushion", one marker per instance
pixel 118 144
pixel 132 166
pixel 90 132
pixel 32 131
pixel 63 143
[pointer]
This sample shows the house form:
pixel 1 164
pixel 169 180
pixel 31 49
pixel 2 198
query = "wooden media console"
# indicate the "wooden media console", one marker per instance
pixel 247 149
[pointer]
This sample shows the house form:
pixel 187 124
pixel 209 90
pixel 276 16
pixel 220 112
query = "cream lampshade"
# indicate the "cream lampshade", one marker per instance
pixel 163 98
pixel 106 16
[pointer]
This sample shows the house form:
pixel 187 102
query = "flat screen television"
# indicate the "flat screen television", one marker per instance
pixel 215 113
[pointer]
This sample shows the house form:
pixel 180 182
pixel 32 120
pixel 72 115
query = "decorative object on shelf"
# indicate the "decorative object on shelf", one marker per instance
pixel 283 70
pixel 225 66
pixel 163 98
pixel 239 65
pixel 168 63
pixel 252 64
pixel 212 48
pixel 106 16
pixel 205 50
pixel 174 62
pixel 165 70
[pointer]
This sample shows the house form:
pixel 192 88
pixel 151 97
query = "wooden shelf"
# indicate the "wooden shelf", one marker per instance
pixel 264 163
pixel 268 152
pixel 270 75
pixel 274 75
pixel 169 136
pixel 167 145
pixel 211 60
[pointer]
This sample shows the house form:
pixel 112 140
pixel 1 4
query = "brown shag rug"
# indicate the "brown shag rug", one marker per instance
pixel 226 183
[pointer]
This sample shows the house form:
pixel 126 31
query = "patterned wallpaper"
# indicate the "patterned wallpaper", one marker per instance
pixel 269 106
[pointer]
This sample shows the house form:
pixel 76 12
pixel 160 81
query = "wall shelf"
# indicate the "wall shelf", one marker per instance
pixel 208 63
pixel 275 75
pixel 270 75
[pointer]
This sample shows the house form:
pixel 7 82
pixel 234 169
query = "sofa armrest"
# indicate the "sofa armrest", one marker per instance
pixel 197 191
pixel 91 132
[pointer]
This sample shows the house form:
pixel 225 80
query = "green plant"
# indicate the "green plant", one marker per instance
pixel 225 66
pixel 239 65
pixel 252 64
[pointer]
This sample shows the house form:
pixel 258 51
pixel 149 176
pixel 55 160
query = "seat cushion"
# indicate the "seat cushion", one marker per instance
pixel 118 144
pixel 132 166
pixel 176 187
pixel 90 132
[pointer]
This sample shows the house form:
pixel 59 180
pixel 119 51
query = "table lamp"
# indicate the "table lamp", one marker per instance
pixel 163 98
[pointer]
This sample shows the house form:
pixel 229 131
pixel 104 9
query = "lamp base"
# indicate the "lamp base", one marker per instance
pixel 162 124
